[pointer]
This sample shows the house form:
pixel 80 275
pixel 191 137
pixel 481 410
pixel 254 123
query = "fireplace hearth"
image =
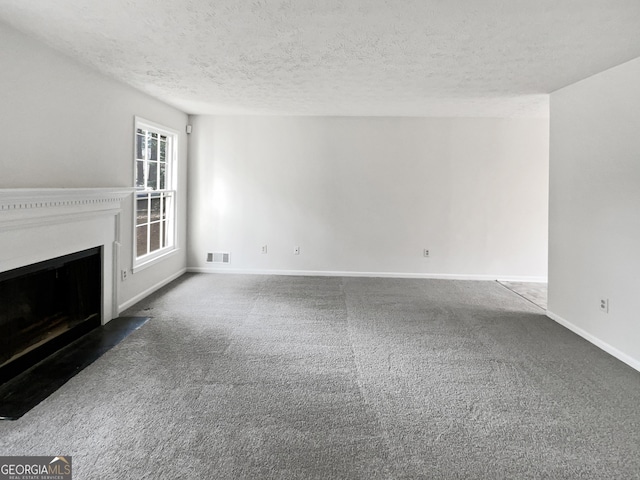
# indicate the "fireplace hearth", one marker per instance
pixel 47 305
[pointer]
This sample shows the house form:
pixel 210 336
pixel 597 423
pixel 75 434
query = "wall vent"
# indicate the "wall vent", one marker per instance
pixel 219 257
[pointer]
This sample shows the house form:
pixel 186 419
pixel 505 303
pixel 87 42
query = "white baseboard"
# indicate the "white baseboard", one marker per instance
pixel 324 273
pixel 149 291
pixel 623 357
pixel 502 278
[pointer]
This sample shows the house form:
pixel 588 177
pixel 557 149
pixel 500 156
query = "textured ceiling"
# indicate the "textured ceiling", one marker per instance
pixel 348 57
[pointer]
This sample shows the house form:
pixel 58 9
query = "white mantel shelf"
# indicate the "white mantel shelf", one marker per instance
pixel 20 207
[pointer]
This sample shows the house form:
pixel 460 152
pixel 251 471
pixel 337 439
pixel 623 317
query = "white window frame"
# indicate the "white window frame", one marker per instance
pixel 170 190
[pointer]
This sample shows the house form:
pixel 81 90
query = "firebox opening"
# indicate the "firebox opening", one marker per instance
pixel 47 305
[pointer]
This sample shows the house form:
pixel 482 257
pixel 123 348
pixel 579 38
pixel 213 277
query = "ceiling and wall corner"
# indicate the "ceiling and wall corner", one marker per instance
pixel 488 58
pixel 64 125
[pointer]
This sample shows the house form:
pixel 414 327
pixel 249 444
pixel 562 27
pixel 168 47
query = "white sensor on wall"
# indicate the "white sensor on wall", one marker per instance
pixel 219 257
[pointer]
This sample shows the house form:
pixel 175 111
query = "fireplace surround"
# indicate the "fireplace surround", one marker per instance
pixel 40 225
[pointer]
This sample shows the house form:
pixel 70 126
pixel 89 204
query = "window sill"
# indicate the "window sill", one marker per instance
pixel 138 267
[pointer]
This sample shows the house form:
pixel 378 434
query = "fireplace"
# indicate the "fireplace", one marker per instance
pixel 59 263
pixel 47 305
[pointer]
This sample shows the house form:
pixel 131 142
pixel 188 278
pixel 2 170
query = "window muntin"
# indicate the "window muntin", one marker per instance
pixel 154 226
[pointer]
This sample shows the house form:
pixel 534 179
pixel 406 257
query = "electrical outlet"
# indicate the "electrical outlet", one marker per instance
pixel 124 275
pixel 604 305
pixel 425 252
pixel 296 250
pixel 264 249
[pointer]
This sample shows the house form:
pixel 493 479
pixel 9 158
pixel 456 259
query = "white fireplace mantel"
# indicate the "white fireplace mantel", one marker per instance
pixel 43 223
pixel 20 207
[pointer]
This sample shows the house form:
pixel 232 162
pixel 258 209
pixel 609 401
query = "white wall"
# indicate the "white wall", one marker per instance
pixel 594 237
pixel 366 195
pixel 63 125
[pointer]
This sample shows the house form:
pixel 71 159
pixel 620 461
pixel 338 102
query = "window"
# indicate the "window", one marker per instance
pixel 155 159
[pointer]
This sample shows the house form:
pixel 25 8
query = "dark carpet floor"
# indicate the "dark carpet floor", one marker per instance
pixel 308 378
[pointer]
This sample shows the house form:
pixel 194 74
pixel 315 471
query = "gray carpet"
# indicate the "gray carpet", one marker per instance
pixel 297 377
